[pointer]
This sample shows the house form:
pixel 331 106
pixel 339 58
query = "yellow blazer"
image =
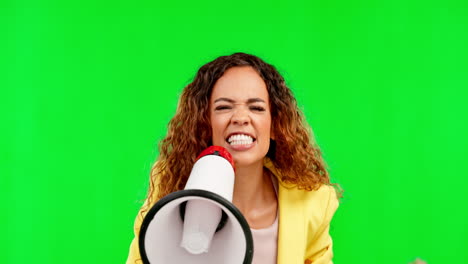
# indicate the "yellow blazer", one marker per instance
pixel 304 222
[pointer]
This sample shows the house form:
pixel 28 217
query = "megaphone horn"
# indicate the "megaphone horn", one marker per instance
pixel 199 224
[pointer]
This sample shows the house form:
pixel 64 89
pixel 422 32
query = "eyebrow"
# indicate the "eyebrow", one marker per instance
pixel 249 101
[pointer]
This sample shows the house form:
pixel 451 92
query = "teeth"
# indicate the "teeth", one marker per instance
pixel 240 139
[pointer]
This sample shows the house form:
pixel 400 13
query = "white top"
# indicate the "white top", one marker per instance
pixel 266 240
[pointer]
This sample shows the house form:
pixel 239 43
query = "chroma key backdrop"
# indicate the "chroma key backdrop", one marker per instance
pixel 88 87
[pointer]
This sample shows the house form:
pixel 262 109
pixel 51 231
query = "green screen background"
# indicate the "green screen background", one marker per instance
pixel 88 87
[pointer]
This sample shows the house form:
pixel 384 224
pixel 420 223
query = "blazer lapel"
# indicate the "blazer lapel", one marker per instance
pixel 291 230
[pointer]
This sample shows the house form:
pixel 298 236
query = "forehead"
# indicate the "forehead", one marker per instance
pixel 240 84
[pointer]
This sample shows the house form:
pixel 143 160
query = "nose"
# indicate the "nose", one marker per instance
pixel 240 117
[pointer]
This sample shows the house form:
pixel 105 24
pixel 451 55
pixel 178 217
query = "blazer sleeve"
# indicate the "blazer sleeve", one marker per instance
pixel 319 245
pixel 134 253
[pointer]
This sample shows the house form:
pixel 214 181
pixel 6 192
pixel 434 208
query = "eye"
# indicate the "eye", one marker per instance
pixel 222 107
pixel 257 108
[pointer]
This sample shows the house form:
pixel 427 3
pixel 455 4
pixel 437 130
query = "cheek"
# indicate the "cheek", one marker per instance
pixel 266 127
pixel 217 131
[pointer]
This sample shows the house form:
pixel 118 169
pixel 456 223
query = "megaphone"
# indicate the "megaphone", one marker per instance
pixel 199 225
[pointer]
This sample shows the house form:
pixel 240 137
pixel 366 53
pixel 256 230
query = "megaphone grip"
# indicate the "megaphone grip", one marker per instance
pixel 200 223
pixel 222 222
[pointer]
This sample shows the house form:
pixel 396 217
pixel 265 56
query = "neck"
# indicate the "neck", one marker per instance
pixel 250 187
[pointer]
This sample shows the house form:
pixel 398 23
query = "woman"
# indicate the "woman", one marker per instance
pixel 281 185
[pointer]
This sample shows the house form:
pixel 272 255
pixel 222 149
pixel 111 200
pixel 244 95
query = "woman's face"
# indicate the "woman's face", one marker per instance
pixel 240 115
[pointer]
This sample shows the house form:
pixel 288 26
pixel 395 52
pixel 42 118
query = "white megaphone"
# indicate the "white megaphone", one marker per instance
pixel 199 225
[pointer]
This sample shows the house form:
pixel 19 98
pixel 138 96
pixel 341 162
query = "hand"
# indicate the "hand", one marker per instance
pixel 418 261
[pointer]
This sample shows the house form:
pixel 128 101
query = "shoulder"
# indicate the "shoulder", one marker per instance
pixel 322 202
pixel 325 193
pixel 323 199
pixel 327 201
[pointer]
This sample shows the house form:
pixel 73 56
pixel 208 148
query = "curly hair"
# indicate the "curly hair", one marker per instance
pixel 299 159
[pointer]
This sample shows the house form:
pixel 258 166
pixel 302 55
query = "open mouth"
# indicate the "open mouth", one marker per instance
pixel 240 139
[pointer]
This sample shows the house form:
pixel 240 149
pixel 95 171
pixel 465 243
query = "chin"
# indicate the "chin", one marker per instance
pixel 242 160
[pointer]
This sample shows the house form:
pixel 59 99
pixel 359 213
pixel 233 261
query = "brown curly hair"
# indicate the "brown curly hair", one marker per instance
pixel 299 159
